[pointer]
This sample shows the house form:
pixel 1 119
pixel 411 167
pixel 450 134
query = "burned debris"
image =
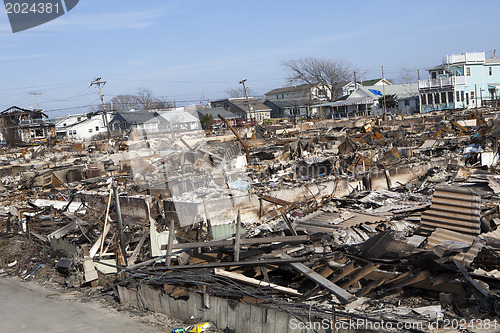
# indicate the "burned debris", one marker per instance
pixel 375 219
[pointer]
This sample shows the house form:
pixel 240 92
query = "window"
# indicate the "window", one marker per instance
pixel 433 75
pixel 468 71
pixel 424 99
pixel 458 96
pixel 90 130
pixel 436 98
pixel 462 98
pixel 450 96
pixel 491 71
pixel 443 97
pixel 282 95
pixel 277 96
pixel 472 95
pixel 430 100
pixel 97 128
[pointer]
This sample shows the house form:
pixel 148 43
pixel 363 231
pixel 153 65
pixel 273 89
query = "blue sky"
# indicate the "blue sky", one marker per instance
pixel 184 50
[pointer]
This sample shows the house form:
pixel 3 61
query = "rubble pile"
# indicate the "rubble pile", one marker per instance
pixel 380 219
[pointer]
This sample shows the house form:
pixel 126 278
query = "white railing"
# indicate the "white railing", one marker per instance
pixel 445 81
pixel 467 57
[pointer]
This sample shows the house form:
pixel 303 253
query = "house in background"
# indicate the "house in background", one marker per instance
pixel 295 101
pixel 177 120
pixel 253 109
pixel 20 126
pixel 124 122
pixel 214 113
pixel 364 101
pixel 464 80
pixel 349 88
pixel 89 126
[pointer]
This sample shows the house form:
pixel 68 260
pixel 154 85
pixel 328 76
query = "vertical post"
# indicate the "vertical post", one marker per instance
pixel 238 237
pixel 171 235
pixel 475 96
pixel 120 221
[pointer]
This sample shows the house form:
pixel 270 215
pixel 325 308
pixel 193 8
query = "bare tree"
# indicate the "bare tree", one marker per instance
pixel 124 103
pixel 328 75
pixel 406 75
pixel 143 99
pixel 148 101
pixel 239 92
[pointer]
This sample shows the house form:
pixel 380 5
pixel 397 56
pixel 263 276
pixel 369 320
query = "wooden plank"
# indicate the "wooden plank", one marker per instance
pixel 103 236
pixel 245 241
pixel 255 282
pixel 347 270
pixel 361 274
pixel 228 264
pixel 137 249
pixel 343 296
pixel 374 284
pixel 99 242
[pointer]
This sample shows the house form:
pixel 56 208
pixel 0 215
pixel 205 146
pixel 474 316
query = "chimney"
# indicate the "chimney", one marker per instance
pixel 494 53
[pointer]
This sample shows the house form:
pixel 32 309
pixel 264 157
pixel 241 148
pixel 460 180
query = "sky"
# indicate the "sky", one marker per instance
pixel 187 50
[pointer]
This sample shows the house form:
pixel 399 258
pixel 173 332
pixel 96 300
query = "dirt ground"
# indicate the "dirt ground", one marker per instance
pixel 31 307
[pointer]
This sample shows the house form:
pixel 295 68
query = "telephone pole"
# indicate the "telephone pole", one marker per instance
pixel 248 102
pixel 35 93
pixel 100 83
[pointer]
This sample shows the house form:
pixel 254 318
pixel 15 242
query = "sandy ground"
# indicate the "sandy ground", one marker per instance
pixel 30 307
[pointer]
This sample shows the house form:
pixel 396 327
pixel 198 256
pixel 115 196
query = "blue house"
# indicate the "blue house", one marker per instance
pixel 464 80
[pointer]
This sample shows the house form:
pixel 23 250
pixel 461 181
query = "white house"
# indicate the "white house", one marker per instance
pixel 87 127
pixel 349 88
pixel 364 101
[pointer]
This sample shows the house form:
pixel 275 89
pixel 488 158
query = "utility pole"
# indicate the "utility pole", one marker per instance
pixel 355 82
pixel 35 93
pixel 248 102
pixel 98 83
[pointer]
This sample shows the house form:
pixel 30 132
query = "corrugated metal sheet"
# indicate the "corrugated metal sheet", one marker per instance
pixel 494 184
pixel 494 273
pixel 441 235
pixel 453 208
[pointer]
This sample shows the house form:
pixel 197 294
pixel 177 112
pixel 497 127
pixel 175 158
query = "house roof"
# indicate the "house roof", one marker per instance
pixel 17 110
pixel 301 87
pixel 371 82
pixel 136 117
pixel 401 90
pixel 214 112
pixel 177 116
pixel 255 105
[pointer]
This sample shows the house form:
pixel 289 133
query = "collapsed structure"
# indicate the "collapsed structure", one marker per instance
pixel 373 220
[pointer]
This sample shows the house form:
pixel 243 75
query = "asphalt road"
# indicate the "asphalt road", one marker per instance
pixel 28 307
